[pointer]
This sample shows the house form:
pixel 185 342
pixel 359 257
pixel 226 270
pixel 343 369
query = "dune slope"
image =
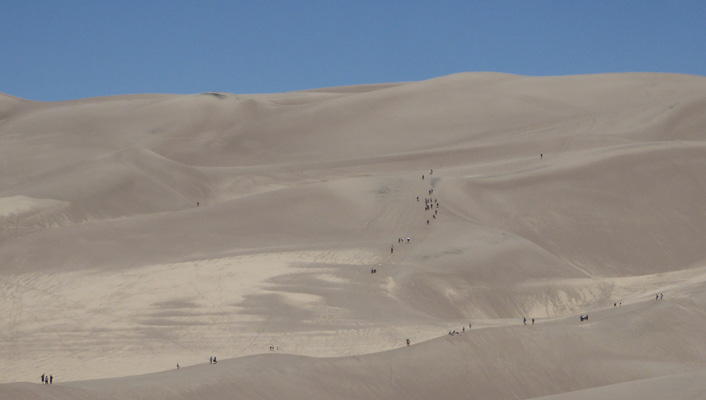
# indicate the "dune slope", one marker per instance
pixel 138 231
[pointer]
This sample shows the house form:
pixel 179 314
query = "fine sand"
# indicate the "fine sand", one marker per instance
pixel 110 274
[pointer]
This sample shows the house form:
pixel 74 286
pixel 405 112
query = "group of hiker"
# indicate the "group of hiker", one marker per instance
pixel 429 204
pixel 463 330
pixel 47 379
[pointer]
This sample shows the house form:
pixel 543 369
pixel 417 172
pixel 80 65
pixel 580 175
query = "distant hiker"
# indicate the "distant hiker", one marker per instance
pixel 431 172
pixel 657 297
pixel 615 304
pixel 210 360
pixel 581 318
pixel 407 239
pixel 422 176
pixel 178 366
pixel 42 378
pixel 214 360
pixel 463 329
pixel 51 379
pixel 408 343
pixel 621 304
pixel 586 317
pixel 392 249
pixel 524 320
pixel 532 321
pixel 197 204
pixel 427 222
pixel 661 296
pixel 540 156
pixel 417 198
pixel 469 326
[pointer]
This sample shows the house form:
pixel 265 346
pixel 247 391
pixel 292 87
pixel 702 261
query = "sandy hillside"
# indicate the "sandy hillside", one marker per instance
pixel 110 274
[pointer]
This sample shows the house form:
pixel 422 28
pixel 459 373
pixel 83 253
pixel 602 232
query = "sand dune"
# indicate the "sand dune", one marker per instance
pixel 110 273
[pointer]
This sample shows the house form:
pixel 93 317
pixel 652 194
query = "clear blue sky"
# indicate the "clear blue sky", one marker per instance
pixel 57 50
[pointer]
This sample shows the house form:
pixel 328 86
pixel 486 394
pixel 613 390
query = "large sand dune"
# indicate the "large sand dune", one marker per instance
pixel 109 273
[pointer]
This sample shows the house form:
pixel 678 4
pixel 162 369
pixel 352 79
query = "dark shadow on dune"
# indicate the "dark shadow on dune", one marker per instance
pixel 217 95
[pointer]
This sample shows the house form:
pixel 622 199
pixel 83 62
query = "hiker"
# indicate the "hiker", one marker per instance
pixel 657 297
pixel 463 329
pixel 408 342
pixel 178 366
pixel 532 321
pixel 392 249
pixel 422 176
pixel 42 378
pixel 427 222
pixel 615 304
pixel 210 360
pixel 469 326
pixel 524 320
pixel 540 156
pixel 431 172
pixel 197 204
pixel 661 296
pixel 214 360
pixel 581 318
pixel 51 379
pixel 407 239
